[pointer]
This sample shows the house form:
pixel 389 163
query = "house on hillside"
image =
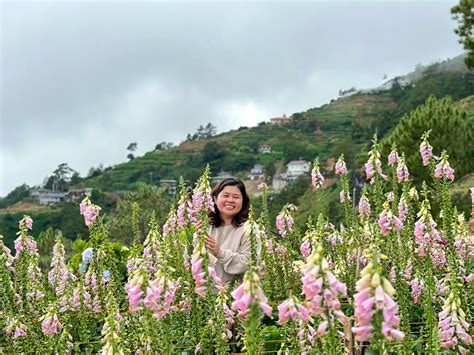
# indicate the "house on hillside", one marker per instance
pixel 171 185
pixel 48 197
pixel 264 149
pixel 280 121
pixel 297 167
pixel 79 194
pixel 279 182
pixel 220 176
pixel 256 172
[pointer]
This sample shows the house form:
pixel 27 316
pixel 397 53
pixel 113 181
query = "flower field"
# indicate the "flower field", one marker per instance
pixel 392 278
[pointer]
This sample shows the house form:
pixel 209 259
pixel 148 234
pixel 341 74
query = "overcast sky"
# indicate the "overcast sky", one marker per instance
pixel 81 80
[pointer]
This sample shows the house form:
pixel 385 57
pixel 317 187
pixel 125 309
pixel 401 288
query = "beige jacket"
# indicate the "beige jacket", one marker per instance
pixel 235 251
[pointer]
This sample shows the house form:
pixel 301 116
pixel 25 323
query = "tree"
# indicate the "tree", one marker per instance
pixel 213 154
pixel 464 15
pixel 163 146
pixel 131 147
pixel 96 171
pixel 62 178
pixel 450 131
pixel 151 200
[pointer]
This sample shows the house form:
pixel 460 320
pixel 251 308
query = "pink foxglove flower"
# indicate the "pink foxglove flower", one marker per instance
pixel 393 157
pixel 160 295
pixel 416 290
pixel 453 328
pixel 16 329
pixel 364 207
pixel 402 171
pixel 134 291
pixel 198 273
pixel 59 274
pixel 375 296
pixel 374 164
pixel 89 211
pixel 428 239
pixel 387 222
pixel 443 169
pixel 262 186
pixel 426 150
pixel 201 201
pixel 340 167
pixel 305 248
pixel 284 221
pixel 344 196
pixel 408 271
pixel 26 223
pixel 322 290
pixel 292 309
pixel 402 209
pixel 249 293
pixel 317 179
pixel 51 324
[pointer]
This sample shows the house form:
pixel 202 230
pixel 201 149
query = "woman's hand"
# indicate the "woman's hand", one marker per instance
pixel 212 246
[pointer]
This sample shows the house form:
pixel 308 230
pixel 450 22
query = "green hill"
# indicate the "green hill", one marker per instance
pixel 345 125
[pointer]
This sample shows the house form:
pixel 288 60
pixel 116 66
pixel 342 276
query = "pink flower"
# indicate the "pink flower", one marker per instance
pixel 453 328
pixel 51 325
pixel 374 295
pixel 89 211
pixel 387 222
pixel 199 275
pixel 157 299
pixel 26 222
pixel 341 168
pixel 402 171
pixel 321 289
pixel 426 151
pixel 369 170
pixel 305 248
pixel 248 293
pixel 373 165
pixel 134 291
pixel 292 309
pixel 402 210
pixel 416 290
pixel 393 158
pixel 364 207
pixel 284 221
pixel 262 186
pixel 443 169
pixel 343 196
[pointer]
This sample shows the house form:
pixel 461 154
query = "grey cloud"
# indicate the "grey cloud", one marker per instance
pixel 100 75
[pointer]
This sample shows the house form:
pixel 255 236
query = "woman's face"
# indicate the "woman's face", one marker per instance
pixel 229 202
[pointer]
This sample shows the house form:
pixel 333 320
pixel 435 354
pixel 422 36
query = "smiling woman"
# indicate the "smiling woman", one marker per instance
pixel 228 240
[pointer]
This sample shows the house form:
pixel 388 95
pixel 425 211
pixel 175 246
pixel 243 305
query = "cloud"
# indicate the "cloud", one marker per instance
pixel 81 80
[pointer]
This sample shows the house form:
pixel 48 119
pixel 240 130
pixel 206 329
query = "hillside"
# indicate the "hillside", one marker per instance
pixel 345 125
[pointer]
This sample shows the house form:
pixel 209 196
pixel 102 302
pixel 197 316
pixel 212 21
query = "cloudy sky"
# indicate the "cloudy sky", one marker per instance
pixel 81 80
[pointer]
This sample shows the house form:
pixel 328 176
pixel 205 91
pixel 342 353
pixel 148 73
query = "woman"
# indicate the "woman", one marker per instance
pixel 228 240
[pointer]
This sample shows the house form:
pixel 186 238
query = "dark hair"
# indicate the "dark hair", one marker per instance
pixel 239 218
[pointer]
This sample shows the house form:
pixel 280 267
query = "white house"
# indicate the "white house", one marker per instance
pixel 220 176
pixel 48 197
pixel 279 182
pixel 256 172
pixel 171 185
pixel 298 167
pixel 265 148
